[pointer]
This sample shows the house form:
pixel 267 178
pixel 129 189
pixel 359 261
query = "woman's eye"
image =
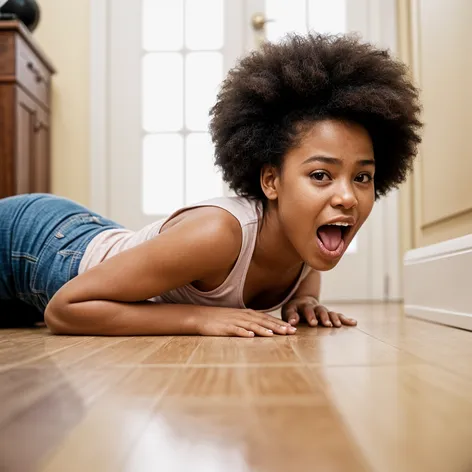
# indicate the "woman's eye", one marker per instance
pixel 363 178
pixel 319 175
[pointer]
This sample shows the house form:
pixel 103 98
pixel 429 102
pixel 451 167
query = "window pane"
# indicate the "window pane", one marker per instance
pixel 203 74
pixel 162 92
pixel 202 179
pixel 327 17
pixel 287 17
pixel 163 25
pixel 204 24
pixel 163 164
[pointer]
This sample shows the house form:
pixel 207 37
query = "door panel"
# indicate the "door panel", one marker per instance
pixel 438 198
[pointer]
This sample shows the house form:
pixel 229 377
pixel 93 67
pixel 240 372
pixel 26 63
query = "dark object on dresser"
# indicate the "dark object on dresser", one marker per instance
pixel 25 78
pixel 27 11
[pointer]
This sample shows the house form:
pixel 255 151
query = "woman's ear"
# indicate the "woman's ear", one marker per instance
pixel 269 181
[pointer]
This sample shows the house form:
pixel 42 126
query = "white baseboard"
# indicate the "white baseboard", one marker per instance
pixel 438 282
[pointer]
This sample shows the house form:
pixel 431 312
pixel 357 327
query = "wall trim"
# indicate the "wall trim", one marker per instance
pixel 447 218
pixel 445 317
pixel 437 282
pixel 383 20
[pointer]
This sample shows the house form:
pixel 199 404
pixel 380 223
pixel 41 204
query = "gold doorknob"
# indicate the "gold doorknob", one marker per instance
pixel 258 21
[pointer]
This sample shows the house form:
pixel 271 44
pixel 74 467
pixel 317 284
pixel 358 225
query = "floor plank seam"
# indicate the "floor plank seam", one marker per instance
pixel 151 412
pixel 192 355
pixel 346 427
pixel 6 367
pixel 417 356
pixel 274 365
pixel 397 348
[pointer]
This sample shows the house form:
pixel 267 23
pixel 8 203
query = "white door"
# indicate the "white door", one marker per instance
pixel 165 61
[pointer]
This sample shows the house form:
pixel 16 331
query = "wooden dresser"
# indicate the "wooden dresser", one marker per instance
pixel 25 113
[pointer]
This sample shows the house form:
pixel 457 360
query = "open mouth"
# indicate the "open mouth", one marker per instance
pixel 332 237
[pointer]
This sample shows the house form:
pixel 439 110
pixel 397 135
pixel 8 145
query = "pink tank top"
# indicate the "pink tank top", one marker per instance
pixel 108 243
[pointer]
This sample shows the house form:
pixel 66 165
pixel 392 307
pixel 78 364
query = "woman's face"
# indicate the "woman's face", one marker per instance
pixel 325 191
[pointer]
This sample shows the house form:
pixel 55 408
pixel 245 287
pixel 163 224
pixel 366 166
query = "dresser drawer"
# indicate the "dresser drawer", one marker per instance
pixel 31 73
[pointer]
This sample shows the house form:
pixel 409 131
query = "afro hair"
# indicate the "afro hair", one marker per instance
pixel 274 92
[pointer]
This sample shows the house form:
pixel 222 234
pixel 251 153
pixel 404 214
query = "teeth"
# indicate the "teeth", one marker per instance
pixel 339 224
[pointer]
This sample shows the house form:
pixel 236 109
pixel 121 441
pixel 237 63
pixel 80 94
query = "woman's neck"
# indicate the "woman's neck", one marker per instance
pixel 273 250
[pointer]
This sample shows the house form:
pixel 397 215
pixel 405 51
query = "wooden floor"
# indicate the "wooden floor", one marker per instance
pixel 393 394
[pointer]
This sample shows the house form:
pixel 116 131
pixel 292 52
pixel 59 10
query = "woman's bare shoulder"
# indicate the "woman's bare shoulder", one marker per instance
pixel 214 229
pixel 209 218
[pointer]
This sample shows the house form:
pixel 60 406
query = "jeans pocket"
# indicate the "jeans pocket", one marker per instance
pixel 61 255
pixel 67 263
pixel 67 227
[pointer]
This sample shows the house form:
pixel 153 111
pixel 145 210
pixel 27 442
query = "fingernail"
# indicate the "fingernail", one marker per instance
pixel 270 331
pixel 329 324
pixel 293 329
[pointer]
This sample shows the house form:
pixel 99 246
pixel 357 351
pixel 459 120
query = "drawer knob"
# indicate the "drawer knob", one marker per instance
pixel 38 126
pixel 35 71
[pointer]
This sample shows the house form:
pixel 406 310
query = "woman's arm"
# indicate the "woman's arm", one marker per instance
pixel 310 286
pixel 109 318
pixel 111 298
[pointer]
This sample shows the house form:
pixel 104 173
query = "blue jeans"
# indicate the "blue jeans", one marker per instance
pixel 42 240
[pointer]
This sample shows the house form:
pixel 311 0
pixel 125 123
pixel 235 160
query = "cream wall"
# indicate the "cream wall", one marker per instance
pixel 63 33
pixel 435 41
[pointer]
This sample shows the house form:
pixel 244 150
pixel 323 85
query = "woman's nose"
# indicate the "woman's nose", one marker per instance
pixel 344 196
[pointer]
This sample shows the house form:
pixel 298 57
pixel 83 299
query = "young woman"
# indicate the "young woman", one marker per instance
pixel 308 132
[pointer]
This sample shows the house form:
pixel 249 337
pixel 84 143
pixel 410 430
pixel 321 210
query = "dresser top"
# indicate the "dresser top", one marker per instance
pixel 20 28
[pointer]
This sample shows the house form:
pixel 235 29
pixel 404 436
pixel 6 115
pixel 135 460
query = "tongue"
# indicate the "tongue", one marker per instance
pixel 331 236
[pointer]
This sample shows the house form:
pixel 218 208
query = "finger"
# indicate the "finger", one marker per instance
pixel 322 314
pixel 257 328
pixel 335 318
pixel 309 314
pixel 347 321
pixel 286 329
pixel 279 326
pixel 276 327
pixel 292 316
pixel 265 321
pixel 241 332
pixel 278 321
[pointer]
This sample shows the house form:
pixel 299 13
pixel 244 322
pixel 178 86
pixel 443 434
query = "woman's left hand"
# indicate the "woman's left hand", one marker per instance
pixel 308 308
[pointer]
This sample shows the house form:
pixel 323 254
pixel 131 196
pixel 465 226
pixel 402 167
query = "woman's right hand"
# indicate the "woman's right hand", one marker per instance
pixel 246 323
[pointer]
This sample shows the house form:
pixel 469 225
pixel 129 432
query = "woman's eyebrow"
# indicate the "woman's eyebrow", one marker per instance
pixel 336 161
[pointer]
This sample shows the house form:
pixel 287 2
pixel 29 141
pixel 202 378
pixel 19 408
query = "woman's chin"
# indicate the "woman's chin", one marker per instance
pixel 323 265
pixel 318 262
pixel 323 259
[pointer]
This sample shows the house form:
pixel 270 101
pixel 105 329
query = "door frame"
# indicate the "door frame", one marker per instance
pixel 99 99
pixel 382 19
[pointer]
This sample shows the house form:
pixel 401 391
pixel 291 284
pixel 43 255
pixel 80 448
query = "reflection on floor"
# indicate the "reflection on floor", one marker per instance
pixel 393 394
